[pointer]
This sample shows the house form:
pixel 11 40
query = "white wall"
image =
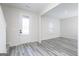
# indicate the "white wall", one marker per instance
pixel 13 17
pixel 47 32
pixel 2 33
pixel 69 27
pixel 61 27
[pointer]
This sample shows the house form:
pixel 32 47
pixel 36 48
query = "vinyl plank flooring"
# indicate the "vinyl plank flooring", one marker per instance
pixel 51 47
pixel 58 48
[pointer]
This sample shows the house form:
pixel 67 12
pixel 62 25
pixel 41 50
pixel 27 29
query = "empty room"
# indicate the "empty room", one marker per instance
pixel 38 29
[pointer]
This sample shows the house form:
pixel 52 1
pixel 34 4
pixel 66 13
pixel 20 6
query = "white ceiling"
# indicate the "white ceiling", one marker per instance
pixel 55 10
pixel 64 10
pixel 34 7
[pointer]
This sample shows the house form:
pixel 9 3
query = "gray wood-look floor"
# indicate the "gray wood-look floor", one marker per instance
pixel 52 47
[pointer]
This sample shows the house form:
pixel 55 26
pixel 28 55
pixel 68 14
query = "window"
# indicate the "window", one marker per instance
pixel 51 27
pixel 25 25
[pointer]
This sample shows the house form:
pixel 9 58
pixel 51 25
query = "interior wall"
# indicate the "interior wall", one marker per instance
pixel 13 17
pixel 50 27
pixel 69 27
pixel 2 32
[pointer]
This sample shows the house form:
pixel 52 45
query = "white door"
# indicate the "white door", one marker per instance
pixel 28 29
